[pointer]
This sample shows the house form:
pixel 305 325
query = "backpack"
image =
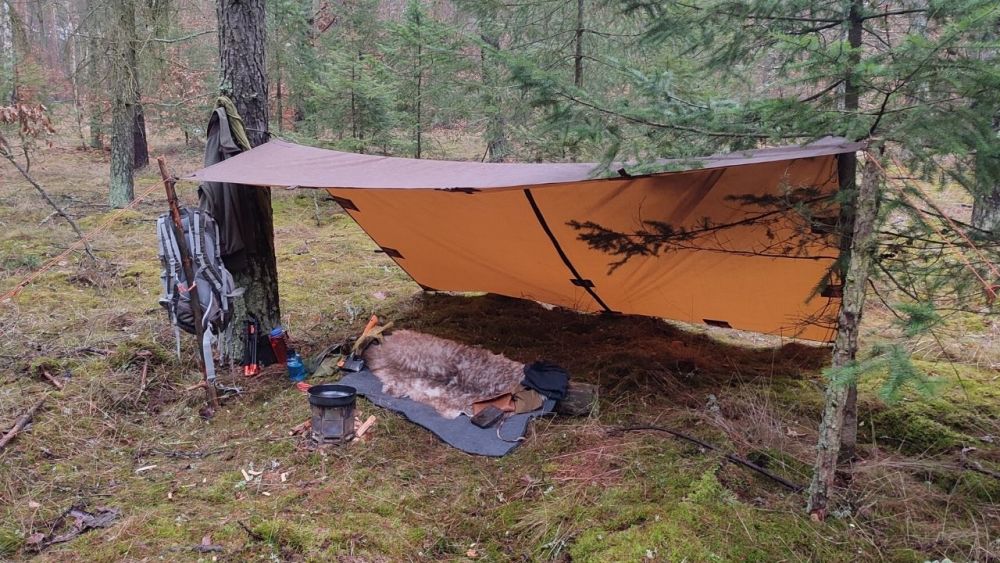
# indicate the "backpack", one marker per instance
pixel 215 285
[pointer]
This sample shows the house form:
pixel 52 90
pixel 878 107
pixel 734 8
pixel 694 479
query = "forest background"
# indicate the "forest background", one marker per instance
pixel 599 81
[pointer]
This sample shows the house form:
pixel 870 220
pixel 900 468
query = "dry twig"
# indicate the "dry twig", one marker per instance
pixel 6 153
pixel 730 457
pixel 21 422
pixel 51 379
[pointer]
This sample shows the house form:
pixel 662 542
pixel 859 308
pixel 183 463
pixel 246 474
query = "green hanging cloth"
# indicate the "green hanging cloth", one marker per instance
pixel 236 126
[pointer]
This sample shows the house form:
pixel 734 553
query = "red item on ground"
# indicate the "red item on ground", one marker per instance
pixel 279 344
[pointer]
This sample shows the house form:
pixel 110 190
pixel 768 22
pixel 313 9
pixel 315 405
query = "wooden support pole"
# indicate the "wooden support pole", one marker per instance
pixel 175 215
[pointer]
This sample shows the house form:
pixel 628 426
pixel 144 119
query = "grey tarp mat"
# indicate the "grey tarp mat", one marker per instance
pixel 458 432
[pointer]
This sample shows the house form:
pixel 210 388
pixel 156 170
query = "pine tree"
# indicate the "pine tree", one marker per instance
pixel 125 85
pixel 242 35
pixel 424 54
pixel 799 70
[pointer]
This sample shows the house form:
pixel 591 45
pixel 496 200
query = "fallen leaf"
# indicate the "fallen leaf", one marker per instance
pixel 206 540
pixel 472 553
pixel 35 539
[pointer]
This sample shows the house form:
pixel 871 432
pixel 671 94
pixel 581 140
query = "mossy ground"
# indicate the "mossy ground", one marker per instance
pixel 574 490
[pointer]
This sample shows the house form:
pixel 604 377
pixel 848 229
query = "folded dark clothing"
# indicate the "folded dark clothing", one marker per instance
pixel 548 379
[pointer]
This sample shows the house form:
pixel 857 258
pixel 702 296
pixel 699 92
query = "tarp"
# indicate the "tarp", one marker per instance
pixel 732 242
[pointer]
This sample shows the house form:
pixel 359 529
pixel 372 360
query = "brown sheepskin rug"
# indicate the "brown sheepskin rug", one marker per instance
pixel 443 374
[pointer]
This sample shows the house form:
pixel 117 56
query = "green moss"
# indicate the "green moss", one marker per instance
pixel 20 261
pixel 367 533
pixel 708 491
pixel 916 429
pixel 781 463
pixel 125 220
pixel 285 535
pixel 167 528
pixel 10 541
pixel 221 489
pixel 127 352
pixel 279 449
pixel 150 493
pixel 983 487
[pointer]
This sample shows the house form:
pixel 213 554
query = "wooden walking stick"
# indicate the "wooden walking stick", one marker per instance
pixel 175 215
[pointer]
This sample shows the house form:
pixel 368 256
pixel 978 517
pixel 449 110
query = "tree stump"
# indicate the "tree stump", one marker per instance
pixel 581 400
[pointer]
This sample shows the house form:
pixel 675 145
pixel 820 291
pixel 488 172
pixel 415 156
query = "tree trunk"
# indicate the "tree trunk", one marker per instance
pixel 141 156
pixel 354 105
pixel 125 98
pixel 280 109
pixel 498 147
pixel 986 211
pixel 847 174
pixel 986 202
pixel 18 50
pixel 847 167
pixel 73 47
pixel 846 345
pixel 244 78
pixel 93 104
pixel 420 83
pixel 578 54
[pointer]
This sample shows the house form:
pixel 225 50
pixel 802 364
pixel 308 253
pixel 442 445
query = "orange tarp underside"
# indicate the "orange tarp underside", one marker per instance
pixel 496 241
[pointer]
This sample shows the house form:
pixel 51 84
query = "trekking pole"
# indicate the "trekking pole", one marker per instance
pixel 175 214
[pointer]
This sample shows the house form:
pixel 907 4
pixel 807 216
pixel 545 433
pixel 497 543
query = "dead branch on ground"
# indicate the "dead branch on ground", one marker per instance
pixel 21 423
pixel 729 457
pixel 51 379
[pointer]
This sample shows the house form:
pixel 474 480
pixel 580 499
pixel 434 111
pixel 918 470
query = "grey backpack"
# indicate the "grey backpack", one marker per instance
pixel 213 282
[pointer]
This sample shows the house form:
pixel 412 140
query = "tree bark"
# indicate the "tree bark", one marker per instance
pixel 847 166
pixel 986 202
pixel 420 82
pixel 93 105
pixel 280 109
pixel 498 147
pixel 141 147
pixel 986 211
pixel 578 49
pixel 244 78
pixel 125 98
pixel 846 345
pixel 847 174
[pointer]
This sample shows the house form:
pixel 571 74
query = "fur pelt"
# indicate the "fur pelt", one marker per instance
pixel 443 374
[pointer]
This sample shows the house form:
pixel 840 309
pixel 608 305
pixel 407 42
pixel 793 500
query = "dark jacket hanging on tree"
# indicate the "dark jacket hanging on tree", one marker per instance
pixel 226 137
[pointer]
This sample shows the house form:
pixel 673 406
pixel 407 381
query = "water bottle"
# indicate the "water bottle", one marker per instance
pixel 279 344
pixel 296 371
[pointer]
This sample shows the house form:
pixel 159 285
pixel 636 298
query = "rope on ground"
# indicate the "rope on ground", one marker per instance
pixel 729 457
pixel 76 245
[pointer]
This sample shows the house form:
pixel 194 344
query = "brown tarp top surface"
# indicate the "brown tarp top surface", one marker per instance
pixel 724 243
